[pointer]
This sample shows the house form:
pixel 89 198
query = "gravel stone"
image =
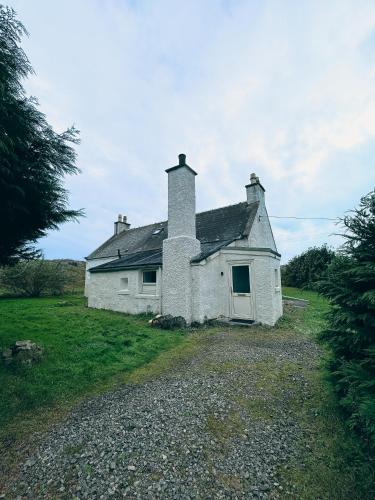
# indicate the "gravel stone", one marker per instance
pixel 185 434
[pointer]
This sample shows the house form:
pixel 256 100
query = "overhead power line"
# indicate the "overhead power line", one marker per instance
pixel 300 218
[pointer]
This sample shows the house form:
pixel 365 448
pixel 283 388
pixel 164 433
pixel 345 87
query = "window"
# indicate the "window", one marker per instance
pixel 149 282
pixel 124 286
pixel 241 279
pixel 277 282
pixel 149 277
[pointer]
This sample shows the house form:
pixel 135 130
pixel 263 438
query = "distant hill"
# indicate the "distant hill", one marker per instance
pixel 76 270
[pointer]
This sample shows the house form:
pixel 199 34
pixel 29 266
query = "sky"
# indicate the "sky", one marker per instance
pixel 282 88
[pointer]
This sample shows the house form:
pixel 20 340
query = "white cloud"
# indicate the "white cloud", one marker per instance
pixel 285 89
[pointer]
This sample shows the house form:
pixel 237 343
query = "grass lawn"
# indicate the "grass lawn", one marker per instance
pixel 85 351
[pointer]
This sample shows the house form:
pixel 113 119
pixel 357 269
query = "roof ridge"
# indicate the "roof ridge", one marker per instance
pixel 199 213
pixel 226 206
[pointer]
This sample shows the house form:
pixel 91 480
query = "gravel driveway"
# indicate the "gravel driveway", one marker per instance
pixel 221 424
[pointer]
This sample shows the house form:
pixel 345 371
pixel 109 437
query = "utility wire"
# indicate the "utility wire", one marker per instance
pixel 300 218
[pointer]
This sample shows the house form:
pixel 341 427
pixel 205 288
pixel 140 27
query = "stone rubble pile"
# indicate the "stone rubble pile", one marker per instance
pixel 168 322
pixel 23 352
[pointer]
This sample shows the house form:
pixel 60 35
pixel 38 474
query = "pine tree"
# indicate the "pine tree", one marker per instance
pixel 350 335
pixel 33 158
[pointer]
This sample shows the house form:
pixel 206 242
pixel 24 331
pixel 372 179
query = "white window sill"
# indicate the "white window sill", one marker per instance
pixel 123 292
pixel 146 296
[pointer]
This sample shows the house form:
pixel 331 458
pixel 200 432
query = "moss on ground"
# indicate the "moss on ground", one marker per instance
pixel 225 428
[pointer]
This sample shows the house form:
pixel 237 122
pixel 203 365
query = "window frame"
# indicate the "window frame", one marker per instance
pixel 148 288
pixel 277 279
pixel 122 290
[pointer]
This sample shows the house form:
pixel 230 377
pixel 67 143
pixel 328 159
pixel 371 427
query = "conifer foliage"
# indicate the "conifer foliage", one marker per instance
pixel 33 158
pixel 350 335
pixel 306 269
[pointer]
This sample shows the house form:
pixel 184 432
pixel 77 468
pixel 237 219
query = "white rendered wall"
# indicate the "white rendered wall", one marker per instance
pixel 261 233
pixel 177 297
pixel 93 263
pixel 212 290
pixel 106 292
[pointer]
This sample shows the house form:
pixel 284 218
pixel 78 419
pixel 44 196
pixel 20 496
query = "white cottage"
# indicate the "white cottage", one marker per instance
pixel 217 264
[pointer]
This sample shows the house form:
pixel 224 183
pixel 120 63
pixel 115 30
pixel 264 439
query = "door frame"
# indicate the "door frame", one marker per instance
pixel 232 264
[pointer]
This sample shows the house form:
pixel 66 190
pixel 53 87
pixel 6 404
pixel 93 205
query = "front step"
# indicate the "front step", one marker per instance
pixel 238 322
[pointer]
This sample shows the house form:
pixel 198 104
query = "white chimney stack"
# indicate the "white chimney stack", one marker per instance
pixel 121 224
pixel 255 190
pixel 181 245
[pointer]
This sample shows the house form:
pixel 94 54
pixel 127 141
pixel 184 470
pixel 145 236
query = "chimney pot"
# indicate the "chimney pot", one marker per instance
pixel 182 159
pixel 121 224
pixel 254 190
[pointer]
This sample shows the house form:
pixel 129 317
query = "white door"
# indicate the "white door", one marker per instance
pixel 241 299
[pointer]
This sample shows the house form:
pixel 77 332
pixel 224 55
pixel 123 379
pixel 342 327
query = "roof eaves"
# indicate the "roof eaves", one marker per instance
pixel 204 255
pixel 97 269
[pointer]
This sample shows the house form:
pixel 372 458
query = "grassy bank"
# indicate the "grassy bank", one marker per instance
pixel 85 351
pixel 334 465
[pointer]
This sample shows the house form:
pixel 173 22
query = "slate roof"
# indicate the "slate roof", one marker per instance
pixel 142 246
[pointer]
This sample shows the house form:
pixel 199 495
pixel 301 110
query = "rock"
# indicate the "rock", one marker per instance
pixel 23 352
pixel 168 322
pixel 7 356
pixel 131 467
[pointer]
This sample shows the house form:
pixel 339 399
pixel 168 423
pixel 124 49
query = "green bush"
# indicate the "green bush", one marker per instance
pixel 350 335
pixel 305 270
pixel 34 278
